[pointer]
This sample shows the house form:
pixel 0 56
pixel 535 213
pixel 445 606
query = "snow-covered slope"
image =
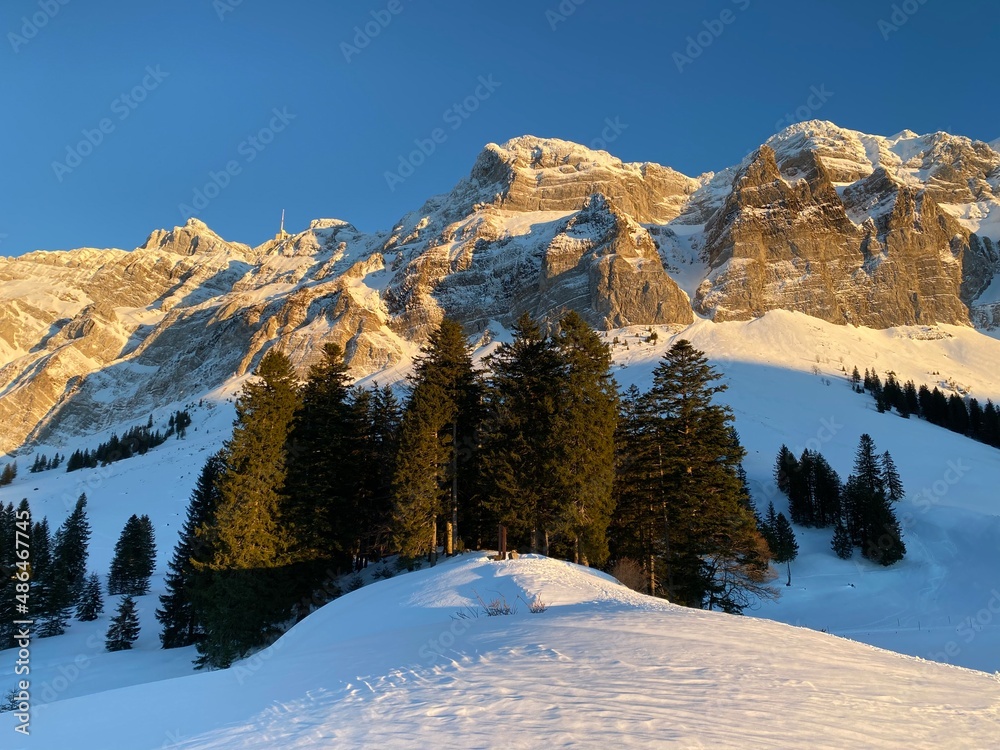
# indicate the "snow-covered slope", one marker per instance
pixel 394 665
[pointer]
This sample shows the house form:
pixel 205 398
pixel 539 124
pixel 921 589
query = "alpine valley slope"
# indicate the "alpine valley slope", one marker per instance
pixel 378 664
pixel 392 666
pixel 846 227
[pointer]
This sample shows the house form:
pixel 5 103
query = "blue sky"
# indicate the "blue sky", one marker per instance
pixel 118 114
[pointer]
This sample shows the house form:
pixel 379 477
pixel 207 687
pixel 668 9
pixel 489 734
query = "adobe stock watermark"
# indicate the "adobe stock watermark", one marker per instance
pixel 249 149
pixel 122 106
pixel 969 628
pixel 814 102
pixel 365 34
pixel 561 13
pixel 901 14
pixel 455 116
pixel 713 29
pixel 928 496
pixel 612 130
pixel 225 7
pixel 31 25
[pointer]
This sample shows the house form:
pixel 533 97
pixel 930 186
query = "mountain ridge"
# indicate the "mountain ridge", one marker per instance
pixel 840 225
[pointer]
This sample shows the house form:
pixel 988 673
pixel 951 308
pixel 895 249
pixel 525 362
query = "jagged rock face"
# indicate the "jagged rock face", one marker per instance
pixel 830 223
pixel 837 224
pixel 551 175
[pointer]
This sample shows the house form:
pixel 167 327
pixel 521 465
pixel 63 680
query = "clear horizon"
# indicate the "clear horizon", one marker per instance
pixel 123 119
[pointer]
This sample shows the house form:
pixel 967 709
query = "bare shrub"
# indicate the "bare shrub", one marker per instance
pixel 631 574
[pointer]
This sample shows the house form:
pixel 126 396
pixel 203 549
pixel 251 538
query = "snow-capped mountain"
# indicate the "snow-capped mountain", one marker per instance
pixel 837 224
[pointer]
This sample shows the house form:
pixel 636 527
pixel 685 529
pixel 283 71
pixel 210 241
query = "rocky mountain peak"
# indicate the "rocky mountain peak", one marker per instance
pixel 195 237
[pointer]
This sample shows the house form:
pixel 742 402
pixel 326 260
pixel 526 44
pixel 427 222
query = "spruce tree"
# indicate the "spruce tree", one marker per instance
pixel 124 628
pixel 68 570
pixel 785 466
pixel 374 444
pixel 519 436
pixel 249 586
pixel 880 536
pixel 714 554
pixel 636 526
pixel 446 398
pixel 178 615
pixel 785 548
pixel 322 512
pixel 134 559
pixel 585 428
pixel 91 604
pixel 841 543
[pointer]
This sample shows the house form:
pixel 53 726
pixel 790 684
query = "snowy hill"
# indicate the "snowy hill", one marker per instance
pixel 393 665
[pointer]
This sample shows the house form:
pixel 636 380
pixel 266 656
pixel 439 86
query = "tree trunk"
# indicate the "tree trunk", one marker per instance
pixel 545 549
pixel 788 565
pixel 576 550
pixel 652 575
pixel 449 540
pixel 432 556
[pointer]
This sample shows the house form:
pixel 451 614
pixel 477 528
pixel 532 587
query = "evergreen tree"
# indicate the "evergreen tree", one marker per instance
pixel 374 444
pixel 8 474
pixel 842 544
pixel 879 534
pixel 8 580
pixel 975 420
pixel 446 411
pixel 178 615
pixel 519 437
pixel 856 380
pixel 770 527
pixel 124 628
pixel 991 424
pixel 249 586
pixel 785 466
pixel 585 427
pixel 893 484
pixel 91 604
pixel 69 555
pixel 321 478
pixel 41 567
pixel 958 415
pixel 785 548
pixel 827 491
pixel 134 559
pixel 713 554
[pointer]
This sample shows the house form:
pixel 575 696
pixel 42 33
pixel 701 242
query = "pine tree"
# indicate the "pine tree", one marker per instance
pixel 585 427
pixel 893 484
pixel 179 617
pixel 135 555
pixel 519 436
pixel 249 588
pixel 8 581
pixel 769 527
pixel 785 548
pixel 785 466
pixel 827 489
pixel 8 474
pixel 714 555
pixel 636 527
pixel 375 420
pixel 446 405
pixel 69 558
pixel 958 415
pixel 91 604
pixel 842 544
pixel 124 628
pixel 879 534
pixel 322 513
